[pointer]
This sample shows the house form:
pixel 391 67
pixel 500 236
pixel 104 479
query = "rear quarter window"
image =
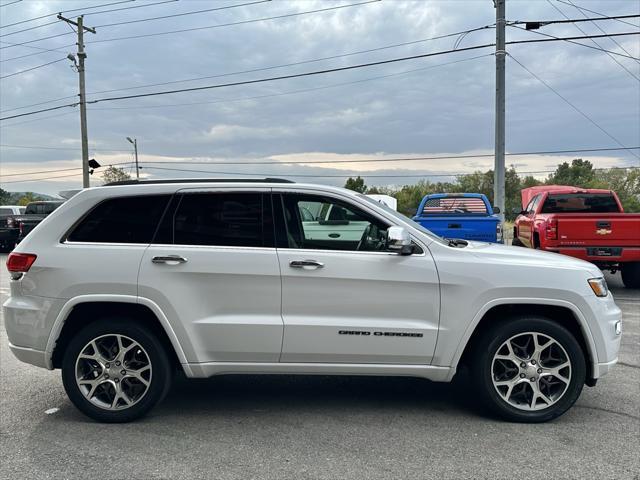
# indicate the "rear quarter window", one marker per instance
pixel 121 220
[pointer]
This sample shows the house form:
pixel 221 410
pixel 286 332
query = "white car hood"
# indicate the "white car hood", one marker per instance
pixel 498 253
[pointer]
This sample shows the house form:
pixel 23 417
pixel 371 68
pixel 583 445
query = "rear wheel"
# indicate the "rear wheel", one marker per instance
pixel 528 369
pixel 115 371
pixel 631 274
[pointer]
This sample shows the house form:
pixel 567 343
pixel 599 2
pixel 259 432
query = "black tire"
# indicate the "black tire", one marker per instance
pixel 493 338
pixel 516 242
pixel 631 274
pixel 159 383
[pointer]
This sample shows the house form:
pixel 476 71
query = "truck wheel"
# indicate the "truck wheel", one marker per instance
pixel 115 371
pixel 631 274
pixel 528 369
pixel 516 242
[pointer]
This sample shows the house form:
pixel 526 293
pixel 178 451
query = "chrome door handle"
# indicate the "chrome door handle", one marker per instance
pixel 306 264
pixel 169 259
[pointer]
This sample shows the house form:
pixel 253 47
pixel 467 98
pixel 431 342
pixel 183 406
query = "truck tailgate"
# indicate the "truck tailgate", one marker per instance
pixel 481 229
pixel 621 229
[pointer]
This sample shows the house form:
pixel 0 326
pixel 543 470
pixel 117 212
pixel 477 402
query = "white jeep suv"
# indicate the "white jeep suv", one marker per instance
pixel 126 283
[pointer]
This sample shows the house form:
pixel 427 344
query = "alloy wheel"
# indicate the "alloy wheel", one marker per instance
pixel 531 371
pixel 113 372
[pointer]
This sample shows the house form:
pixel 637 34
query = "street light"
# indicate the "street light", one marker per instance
pixel 134 142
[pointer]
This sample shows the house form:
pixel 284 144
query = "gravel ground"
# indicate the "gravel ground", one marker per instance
pixel 320 427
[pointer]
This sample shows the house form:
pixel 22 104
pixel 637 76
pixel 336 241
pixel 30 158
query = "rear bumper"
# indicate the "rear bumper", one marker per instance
pixel 29 355
pixel 628 254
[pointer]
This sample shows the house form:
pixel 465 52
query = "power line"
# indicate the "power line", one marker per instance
pixel 130 8
pixel 571 104
pixel 182 14
pixel 306 74
pixel 253 70
pixel 36 119
pixel 39 147
pixel 386 160
pixel 576 20
pixel 64 11
pixel 319 72
pixel 200 28
pixel 596 43
pixel 302 162
pixel 19 72
pixel 575 43
pixel 10 3
pixel 359 173
pixel 27 29
pixel 596 13
pixel 54 171
pixel 43 179
pixel 292 92
pixel 40 111
pixel 599 28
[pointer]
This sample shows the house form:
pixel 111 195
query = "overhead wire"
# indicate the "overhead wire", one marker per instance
pixel 299 75
pixel 182 14
pixel 242 22
pixel 19 72
pixel 597 13
pixel 64 11
pixel 595 43
pixel 568 102
pixel 537 32
pixel 260 69
pixel 312 162
pixel 600 28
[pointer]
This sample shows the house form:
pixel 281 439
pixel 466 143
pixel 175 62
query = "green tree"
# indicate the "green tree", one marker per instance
pixel 114 174
pixel 28 197
pixel 4 197
pixel 579 174
pixel 356 184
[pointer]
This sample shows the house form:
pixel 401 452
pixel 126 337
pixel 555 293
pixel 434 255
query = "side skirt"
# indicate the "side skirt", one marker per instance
pixel 204 370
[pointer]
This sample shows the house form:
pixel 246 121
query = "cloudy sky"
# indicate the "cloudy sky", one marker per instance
pixel 430 107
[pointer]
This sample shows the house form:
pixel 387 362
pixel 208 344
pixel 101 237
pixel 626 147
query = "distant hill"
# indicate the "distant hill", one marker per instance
pixel 13 198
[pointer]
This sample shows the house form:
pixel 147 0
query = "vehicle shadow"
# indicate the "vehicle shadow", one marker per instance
pixel 312 393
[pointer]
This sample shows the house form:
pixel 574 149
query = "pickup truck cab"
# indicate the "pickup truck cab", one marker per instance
pixel 589 224
pixel 126 283
pixel 34 213
pixel 466 216
pixel 9 229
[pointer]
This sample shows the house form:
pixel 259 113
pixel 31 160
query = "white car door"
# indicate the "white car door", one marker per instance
pixel 346 301
pixel 214 271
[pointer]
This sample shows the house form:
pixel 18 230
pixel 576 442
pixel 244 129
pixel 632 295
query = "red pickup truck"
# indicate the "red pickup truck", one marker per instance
pixel 585 223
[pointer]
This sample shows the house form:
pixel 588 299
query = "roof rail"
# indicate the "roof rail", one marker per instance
pixel 200 180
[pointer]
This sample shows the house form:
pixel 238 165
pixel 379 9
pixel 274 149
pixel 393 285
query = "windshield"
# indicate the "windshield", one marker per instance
pixel 403 218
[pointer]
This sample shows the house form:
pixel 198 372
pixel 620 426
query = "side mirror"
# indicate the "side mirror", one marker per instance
pixel 496 209
pixel 398 240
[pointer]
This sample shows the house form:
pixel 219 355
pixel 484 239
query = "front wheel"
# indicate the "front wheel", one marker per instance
pixel 528 369
pixel 115 371
pixel 631 274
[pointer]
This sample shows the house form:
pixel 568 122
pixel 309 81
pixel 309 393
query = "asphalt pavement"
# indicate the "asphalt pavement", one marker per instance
pixel 308 427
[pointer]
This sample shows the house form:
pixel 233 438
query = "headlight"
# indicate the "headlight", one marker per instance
pixel 599 286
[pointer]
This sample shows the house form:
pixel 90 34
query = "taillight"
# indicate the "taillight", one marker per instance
pixel 10 222
pixel 552 229
pixel 21 225
pixel 20 262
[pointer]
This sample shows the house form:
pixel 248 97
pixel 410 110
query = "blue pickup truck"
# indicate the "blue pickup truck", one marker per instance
pixel 466 216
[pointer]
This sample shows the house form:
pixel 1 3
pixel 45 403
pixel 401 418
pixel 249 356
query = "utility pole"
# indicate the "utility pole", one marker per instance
pixel 498 170
pixel 83 95
pixel 134 142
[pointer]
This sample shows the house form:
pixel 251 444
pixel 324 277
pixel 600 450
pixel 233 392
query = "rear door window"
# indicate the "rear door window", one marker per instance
pixel 581 203
pixel 122 220
pixel 237 219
